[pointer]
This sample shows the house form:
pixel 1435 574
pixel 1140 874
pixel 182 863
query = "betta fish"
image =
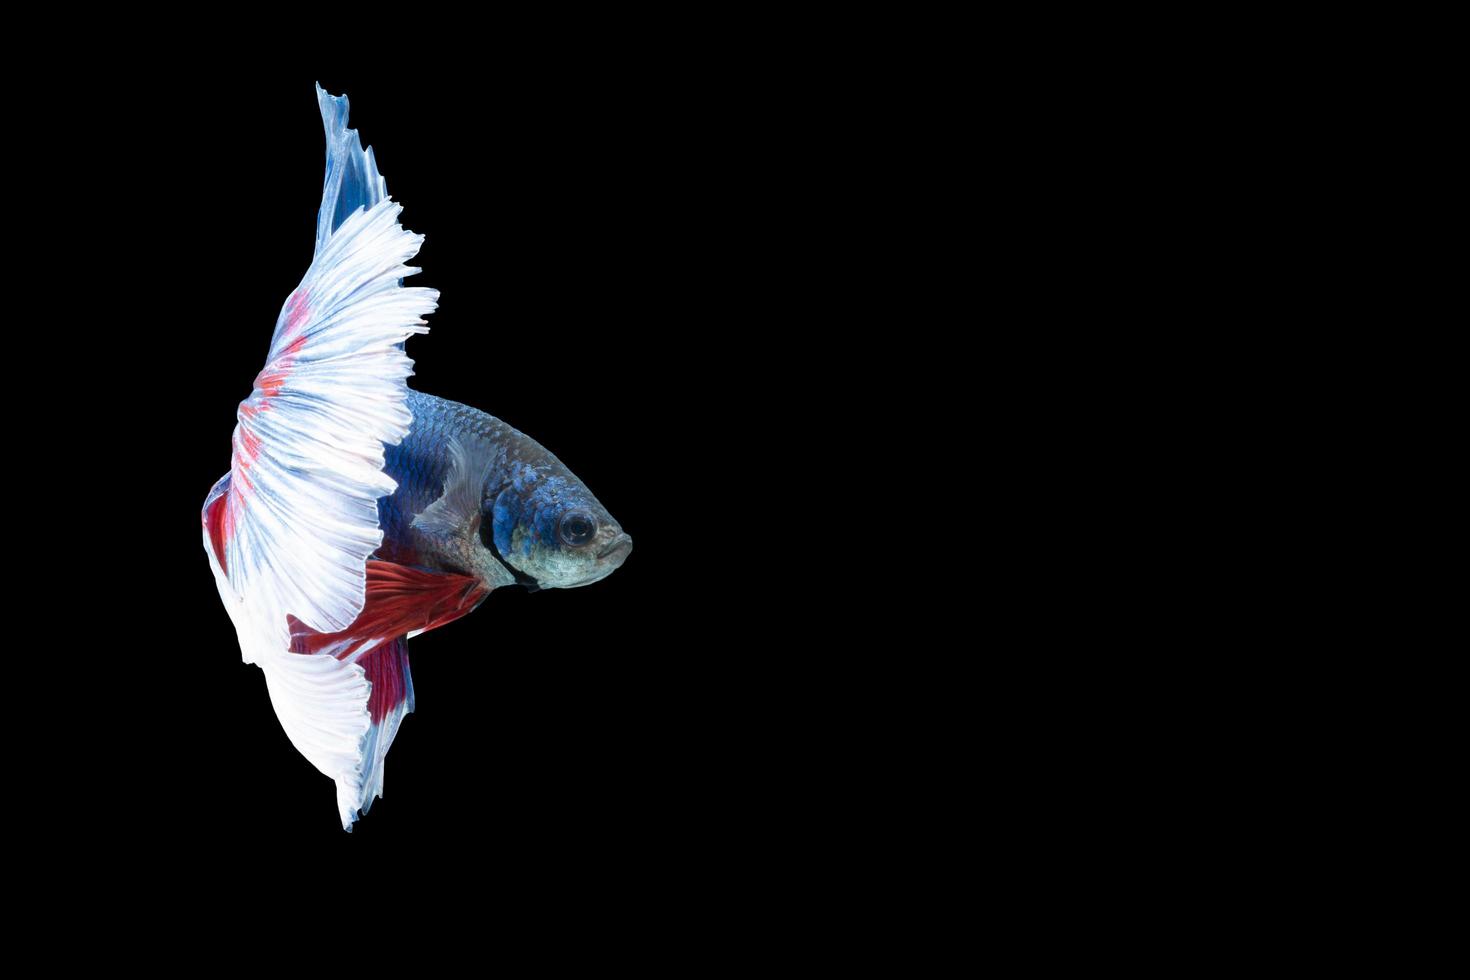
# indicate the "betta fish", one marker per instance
pixel 357 512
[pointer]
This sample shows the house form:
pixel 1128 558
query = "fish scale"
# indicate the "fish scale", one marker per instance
pixel 420 463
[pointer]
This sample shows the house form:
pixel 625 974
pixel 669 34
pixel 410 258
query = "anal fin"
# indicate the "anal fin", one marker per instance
pixel 400 601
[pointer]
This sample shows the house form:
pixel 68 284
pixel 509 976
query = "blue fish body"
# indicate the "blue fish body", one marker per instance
pixel 510 502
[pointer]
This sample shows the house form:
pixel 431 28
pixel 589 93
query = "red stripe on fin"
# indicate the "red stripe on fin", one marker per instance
pixel 214 516
pixel 386 667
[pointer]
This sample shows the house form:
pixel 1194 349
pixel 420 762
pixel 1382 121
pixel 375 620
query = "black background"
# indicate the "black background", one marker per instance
pixel 616 256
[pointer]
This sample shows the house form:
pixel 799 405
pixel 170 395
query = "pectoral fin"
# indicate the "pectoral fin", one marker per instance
pixel 453 520
pixel 457 510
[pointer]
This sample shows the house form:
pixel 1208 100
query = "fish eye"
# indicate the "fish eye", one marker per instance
pixel 577 528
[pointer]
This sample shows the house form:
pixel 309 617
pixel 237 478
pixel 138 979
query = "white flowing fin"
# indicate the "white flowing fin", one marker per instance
pixel 322 704
pixel 320 701
pixel 290 528
pixel 307 469
pixel 352 180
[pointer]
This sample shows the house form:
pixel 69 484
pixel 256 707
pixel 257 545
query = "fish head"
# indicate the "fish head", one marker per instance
pixel 546 526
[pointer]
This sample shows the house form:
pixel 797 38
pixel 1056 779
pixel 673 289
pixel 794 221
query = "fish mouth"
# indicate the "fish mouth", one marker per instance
pixel 617 549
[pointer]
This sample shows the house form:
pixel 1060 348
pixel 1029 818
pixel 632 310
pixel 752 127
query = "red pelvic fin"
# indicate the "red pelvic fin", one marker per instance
pixel 400 600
